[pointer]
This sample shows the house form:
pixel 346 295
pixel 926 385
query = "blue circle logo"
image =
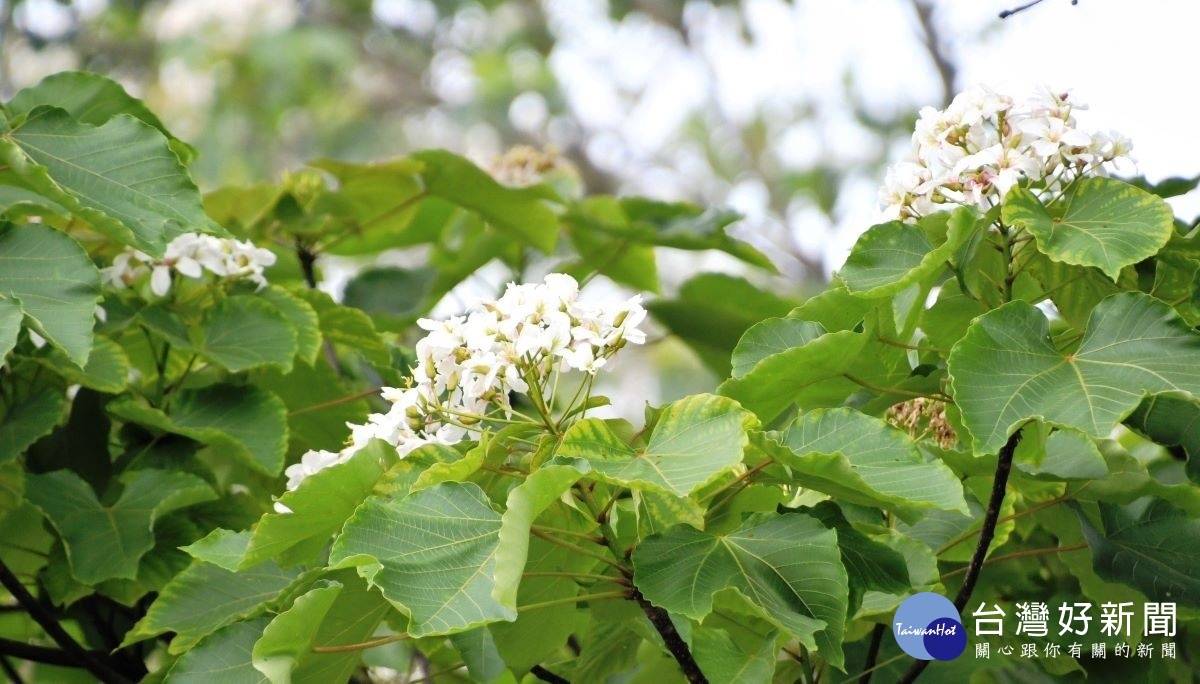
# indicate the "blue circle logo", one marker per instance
pixel 928 627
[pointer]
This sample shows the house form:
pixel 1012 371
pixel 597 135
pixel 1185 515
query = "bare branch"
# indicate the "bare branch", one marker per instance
pixel 932 40
pixel 1009 12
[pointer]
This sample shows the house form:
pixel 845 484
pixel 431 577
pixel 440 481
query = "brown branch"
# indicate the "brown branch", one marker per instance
pixel 71 648
pixel 872 654
pixel 675 643
pixel 40 654
pixel 986 532
pixel 932 40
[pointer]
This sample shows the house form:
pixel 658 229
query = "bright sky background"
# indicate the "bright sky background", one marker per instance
pixel 1122 58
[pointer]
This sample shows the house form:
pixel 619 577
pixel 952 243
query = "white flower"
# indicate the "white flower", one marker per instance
pixel 467 366
pixel 310 463
pixel 190 255
pixel 984 144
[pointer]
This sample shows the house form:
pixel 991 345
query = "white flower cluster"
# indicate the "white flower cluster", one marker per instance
pixel 468 365
pixel 190 255
pixel 984 143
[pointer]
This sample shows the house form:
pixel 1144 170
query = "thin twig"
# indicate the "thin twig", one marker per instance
pixel 362 645
pixel 593 538
pixel 568 600
pixel 335 402
pixel 577 549
pixel 1027 553
pixel 1009 12
pixel 931 38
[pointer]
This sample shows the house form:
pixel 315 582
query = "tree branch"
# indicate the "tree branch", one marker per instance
pixel 1009 12
pixel 986 532
pixel 39 654
pixel 872 654
pixel 932 40
pixel 675 643
pixel 71 649
pixel 547 676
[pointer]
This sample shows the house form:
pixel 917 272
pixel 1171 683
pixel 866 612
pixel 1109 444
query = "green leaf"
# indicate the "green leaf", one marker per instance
pixel 695 440
pixel 345 325
pixel 811 376
pixel 835 309
pixel 1102 222
pixel 609 649
pixel 352 619
pixel 1063 455
pixel 891 256
pixel 861 459
pixel 1154 551
pixel 769 337
pixel 525 503
pixel 12 487
pixel 122 177
pixel 221 547
pixel 723 661
pixel 107 368
pixel 167 324
pixel 1007 370
pixel 787 566
pixel 106 542
pixel 223 657
pixel 204 598
pixel 302 317
pixel 317 403
pixel 450 526
pixel 1170 420
pixel 244 332
pixel 289 636
pixel 478 650
pixel 28 421
pixel 666 224
pixel 56 284
pixel 713 311
pixel 400 294
pixel 536 636
pixel 520 211
pixel 320 506
pixel 618 258
pixel 448 465
pixel 247 422
pixel 869 564
pixel 10 325
pixel 91 99
pixel 1173 186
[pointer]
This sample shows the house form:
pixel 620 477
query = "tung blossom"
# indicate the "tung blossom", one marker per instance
pixel 468 366
pixel 190 255
pixel 985 143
